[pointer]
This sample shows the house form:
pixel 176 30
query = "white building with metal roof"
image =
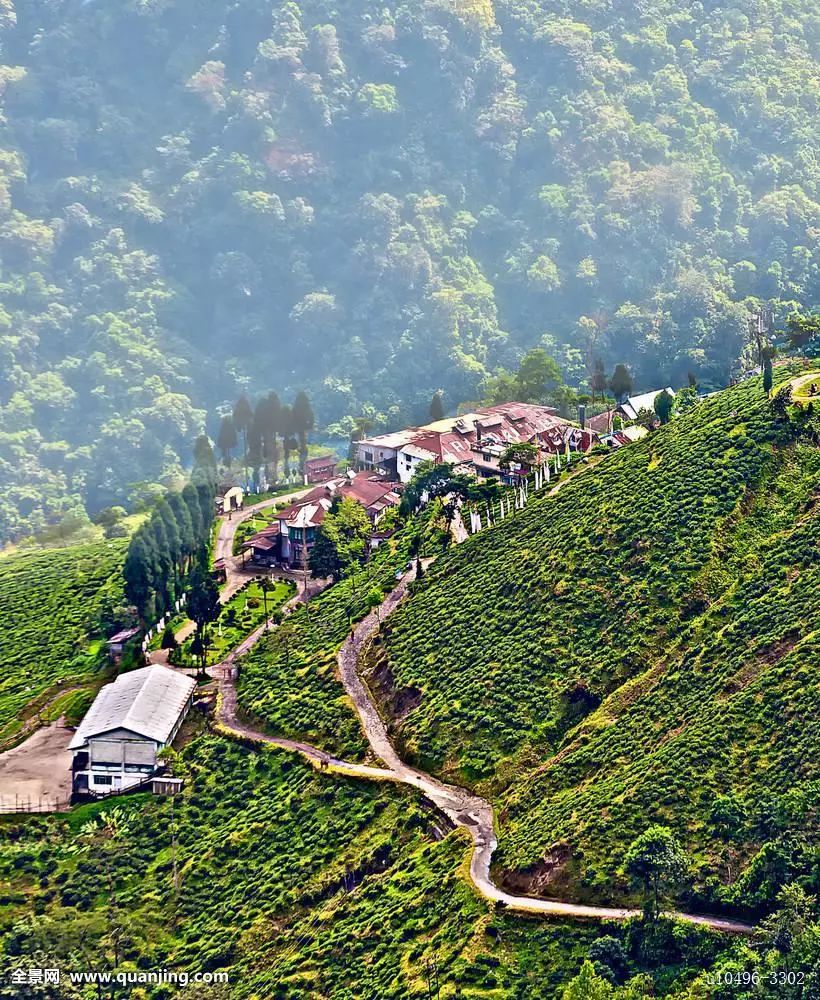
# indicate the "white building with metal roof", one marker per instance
pixel 129 722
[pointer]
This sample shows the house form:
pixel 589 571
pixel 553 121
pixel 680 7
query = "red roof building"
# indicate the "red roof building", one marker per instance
pixel 290 540
pixel 317 470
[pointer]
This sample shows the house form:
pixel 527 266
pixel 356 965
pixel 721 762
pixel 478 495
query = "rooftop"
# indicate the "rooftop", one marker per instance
pixel 645 401
pixel 147 702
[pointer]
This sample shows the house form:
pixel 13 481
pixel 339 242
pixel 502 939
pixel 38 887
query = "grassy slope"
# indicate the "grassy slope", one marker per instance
pixel 288 681
pixel 50 603
pixel 303 885
pixel 678 584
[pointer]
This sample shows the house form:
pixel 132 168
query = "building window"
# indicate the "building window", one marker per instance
pixel 103 779
pixel 368 456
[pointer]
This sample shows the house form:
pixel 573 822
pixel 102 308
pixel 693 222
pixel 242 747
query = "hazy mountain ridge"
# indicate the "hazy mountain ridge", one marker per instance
pixel 377 201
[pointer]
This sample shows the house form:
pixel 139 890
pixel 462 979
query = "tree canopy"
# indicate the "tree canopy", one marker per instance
pixel 375 204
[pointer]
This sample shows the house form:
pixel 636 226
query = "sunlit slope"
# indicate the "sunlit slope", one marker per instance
pixel 51 605
pixel 631 648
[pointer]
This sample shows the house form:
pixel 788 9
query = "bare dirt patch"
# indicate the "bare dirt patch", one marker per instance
pixel 36 775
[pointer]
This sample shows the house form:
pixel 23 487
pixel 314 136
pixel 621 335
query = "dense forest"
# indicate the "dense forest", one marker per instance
pixel 373 201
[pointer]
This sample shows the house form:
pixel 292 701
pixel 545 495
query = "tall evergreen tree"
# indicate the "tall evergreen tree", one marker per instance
pixel 162 568
pixel 205 497
pixel 303 420
pixel 242 419
pixel 272 429
pixel 138 574
pixel 437 407
pixel 598 380
pixel 185 527
pixel 226 439
pixel 664 403
pixel 621 382
pixel 288 438
pixel 204 470
pixel 189 495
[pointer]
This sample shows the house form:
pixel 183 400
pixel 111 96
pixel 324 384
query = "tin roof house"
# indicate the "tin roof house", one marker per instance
pixel 116 744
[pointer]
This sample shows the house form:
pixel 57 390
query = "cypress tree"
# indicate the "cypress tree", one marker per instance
pixel 185 528
pixel 242 417
pixel 302 423
pixel 189 495
pixel 205 497
pixel 226 439
pixel 137 572
pixel 162 566
pixel 204 470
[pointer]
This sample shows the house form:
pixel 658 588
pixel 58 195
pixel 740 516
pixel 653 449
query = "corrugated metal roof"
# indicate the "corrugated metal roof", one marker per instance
pixel 148 702
pixel 646 401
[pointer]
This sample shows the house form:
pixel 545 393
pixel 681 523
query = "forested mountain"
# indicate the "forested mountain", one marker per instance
pixel 373 201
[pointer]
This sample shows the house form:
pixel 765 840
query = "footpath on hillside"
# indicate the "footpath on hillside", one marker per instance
pixel 462 807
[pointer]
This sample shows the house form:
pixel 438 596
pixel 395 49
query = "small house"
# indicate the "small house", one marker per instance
pixel 317 470
pixel 117 643
pixel 116 745
pixel 229 498
pixel 633 405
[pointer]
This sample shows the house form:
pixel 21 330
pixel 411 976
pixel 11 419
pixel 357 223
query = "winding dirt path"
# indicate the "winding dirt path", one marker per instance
pixel 461 806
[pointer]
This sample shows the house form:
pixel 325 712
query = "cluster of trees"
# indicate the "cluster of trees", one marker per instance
pixel 539 379
pixel 189 196
pixel 341 544
pixel 265 432
pixel 168 554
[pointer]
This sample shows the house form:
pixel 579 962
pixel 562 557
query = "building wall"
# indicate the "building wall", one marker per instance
pixel 406 466
pixel 369 457
pixel 121 759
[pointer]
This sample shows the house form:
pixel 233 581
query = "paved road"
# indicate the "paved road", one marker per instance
pixel 236 575
pixel 461 806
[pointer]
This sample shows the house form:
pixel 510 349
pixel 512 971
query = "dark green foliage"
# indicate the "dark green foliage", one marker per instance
pixel 57 606
pixel 768 378
pixel 655 860
pixel 664 404
pixel 436 407
pixel 300 884
pixel 621 382
pixel 374 203
pixel 674 586
pixel 341 540
pixel 164 550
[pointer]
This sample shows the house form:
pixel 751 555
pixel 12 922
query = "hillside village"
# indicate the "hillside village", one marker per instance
pixel 124 741
pixel 472 443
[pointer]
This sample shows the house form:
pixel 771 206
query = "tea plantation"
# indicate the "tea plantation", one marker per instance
pixel 640 647
pixel 298 883
pixel 51 605
pixel 288 681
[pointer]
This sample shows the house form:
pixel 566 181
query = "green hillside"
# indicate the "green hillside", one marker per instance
pixel 640 647
pixel 298 884
pixel 375 200
pixel 52 603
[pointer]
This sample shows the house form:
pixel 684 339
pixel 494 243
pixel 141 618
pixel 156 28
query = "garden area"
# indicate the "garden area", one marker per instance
pixel 259 599
pixel 256 522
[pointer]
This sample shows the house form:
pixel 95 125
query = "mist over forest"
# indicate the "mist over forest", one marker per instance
pixel 375 201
